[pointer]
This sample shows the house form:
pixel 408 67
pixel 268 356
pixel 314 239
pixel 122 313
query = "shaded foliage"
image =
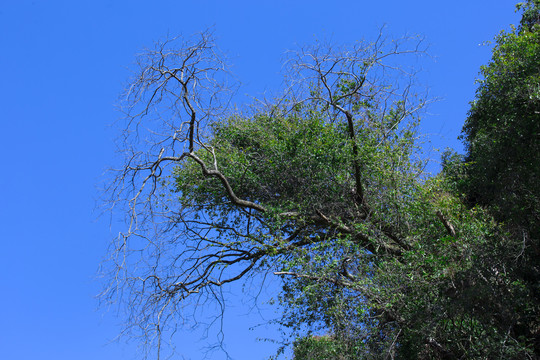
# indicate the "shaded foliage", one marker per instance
pixel 501 170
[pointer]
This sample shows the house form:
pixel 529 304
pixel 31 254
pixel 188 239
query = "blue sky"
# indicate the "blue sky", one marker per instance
pixel 63 65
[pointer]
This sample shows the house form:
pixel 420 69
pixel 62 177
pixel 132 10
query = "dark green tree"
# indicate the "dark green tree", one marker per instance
pixel 502 130
pixel 530 16
pixel 502 168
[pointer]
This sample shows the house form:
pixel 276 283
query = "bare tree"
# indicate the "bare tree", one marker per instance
pixel 181 244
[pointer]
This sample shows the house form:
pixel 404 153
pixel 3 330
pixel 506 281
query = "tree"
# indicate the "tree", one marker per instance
pixel 501 131
pixel 530 16
pixel 212 196
pixel 323 186
pixel 501 170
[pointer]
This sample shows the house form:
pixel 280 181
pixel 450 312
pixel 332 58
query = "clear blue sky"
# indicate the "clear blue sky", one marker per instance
pixel 62 67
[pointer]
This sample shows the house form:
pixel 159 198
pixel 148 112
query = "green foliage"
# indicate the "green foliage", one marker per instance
pixel 460 289
pixel 284 161
pixel 325 348
pixel 501 173
pixel 530 16
pixel 271 159
pixel 448 297
pixel 437 290
pixel 301 162
pixel 501 132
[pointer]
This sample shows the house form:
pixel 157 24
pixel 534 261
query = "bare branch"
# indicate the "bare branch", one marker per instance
pixel 449 227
